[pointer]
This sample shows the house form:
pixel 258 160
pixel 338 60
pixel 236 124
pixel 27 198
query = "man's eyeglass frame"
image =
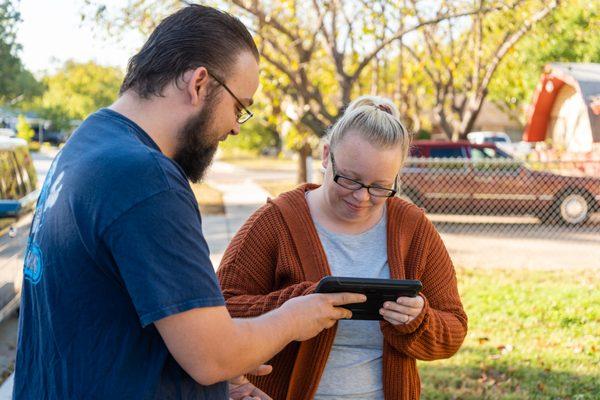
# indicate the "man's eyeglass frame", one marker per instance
pixel 336 177
pixel 246 114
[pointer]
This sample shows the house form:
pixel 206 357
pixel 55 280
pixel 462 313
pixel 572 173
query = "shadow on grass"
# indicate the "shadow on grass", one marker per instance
pixel 498 379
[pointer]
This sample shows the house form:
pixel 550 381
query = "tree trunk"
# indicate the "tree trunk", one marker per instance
pixel 346 86
pixel 303 154
pixel 277 142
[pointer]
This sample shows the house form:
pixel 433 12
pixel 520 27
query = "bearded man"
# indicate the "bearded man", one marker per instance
pixel 119 299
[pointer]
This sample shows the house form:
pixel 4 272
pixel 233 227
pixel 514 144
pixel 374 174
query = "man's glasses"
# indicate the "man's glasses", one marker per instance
pixel 244 114
pixel 352 184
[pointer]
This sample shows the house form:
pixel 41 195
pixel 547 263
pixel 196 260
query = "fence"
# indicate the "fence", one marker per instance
pixel 506 196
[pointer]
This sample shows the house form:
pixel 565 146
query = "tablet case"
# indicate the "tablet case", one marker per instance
pixel 378 291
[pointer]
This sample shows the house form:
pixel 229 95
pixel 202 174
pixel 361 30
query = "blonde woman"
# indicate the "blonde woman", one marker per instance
pixel 352 225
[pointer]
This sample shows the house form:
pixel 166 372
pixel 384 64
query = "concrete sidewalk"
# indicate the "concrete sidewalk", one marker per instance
pixel 241 197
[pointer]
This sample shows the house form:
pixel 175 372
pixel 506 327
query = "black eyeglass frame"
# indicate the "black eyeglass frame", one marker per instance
pixel 336 177
pixel 244 117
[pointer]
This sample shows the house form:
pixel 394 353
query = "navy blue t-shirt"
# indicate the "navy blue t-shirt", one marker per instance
pixel 116 243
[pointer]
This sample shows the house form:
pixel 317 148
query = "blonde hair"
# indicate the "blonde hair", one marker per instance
pixel 375 119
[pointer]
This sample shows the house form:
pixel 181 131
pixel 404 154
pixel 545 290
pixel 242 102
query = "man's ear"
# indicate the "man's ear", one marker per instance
pixel 197 85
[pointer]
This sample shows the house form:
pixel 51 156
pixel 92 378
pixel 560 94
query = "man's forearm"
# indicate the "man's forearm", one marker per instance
pixel 256 341
pixel 212 347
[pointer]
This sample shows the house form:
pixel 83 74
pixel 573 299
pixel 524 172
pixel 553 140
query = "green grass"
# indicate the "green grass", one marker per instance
pixel 532 335
pixel 275 188
pixel 210 200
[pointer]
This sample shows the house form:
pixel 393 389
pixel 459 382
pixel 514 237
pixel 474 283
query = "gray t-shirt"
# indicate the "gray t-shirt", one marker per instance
pixel 354 366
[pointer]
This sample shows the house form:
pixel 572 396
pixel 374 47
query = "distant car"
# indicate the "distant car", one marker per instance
pixel 7 132
pixel 502 141
pixel 18 178
pixel 468 178
pixel 488 137
pixel 53 137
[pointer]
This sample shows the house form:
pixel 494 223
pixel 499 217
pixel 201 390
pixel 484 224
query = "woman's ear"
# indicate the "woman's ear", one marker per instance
pixel 325 157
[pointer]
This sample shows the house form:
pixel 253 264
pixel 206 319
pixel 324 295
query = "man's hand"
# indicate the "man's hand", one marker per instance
pixel 312 313
pixel 240 388
pixel 404 310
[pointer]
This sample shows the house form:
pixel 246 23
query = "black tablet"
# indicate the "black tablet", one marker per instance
pixel 378 291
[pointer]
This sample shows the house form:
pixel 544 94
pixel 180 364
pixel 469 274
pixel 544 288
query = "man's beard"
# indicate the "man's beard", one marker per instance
pixel 197 144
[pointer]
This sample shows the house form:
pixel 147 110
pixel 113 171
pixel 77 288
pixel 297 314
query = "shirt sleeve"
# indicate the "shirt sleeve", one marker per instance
pixel 162 256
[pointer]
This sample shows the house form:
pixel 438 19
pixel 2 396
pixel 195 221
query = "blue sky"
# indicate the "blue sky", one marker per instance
pixel 51 33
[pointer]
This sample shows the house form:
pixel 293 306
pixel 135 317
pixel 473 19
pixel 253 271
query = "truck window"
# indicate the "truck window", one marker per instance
pixel 26 169
pixel 448 152
pixel 10 180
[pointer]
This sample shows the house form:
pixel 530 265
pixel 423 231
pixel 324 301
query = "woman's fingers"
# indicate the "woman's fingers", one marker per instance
pixel 391 306
pixel 394 317
pixel 412 302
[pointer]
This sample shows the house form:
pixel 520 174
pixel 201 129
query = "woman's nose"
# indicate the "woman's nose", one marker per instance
pixel 362 194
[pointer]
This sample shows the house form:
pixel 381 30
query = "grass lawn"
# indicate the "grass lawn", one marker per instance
pixel 210 200
pixel 276 187
pixel 532 335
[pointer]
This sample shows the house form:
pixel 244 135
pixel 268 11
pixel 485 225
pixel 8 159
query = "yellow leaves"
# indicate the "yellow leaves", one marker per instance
pixel 502 351
pixel 505 348
pixel 24 131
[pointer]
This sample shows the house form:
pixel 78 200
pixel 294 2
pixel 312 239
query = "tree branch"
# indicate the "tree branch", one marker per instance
pixel 475 103
pixel 367 59
pixel 264 18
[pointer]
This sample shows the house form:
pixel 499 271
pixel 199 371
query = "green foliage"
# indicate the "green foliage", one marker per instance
pixel 15 81
pixel 24 131
pixel 76 90
pixel 9 17
pixel 423 134
pixel 533 340
pixel 254 136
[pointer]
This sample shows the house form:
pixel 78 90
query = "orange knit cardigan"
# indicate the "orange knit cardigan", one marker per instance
pixel 277 255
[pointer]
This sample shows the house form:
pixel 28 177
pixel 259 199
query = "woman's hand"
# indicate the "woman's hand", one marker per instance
pixel 404 310
pixel 240 388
